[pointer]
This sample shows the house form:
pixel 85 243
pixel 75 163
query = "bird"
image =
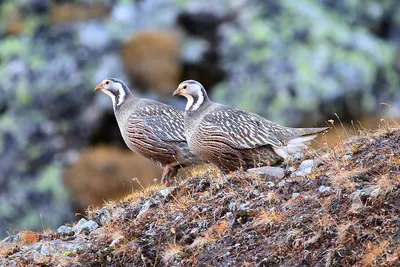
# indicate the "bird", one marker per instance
pixel 150 128
pixel 234 139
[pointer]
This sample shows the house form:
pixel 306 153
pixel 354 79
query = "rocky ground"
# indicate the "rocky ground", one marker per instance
pixel 263 56
pixel 338 206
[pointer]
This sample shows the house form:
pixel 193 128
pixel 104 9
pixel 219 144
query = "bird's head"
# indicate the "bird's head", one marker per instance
pixel 116 89
pixel 194 92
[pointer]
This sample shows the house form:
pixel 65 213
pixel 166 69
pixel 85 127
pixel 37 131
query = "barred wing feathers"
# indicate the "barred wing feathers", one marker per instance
pixel 244 130
pixel 162 121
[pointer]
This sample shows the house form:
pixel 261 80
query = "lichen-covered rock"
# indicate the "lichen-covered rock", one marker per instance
pixel 65 230
pixel 85 226
pixel 45 98
pixel 300 62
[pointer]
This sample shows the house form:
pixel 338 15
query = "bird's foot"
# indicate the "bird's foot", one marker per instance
pixel 169 171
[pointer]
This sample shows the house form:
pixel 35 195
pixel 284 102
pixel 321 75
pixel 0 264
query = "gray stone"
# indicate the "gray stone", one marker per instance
pixel 91 226
pixel 269 172
pixel 65 230
pixel 295 195
pixel 282 183
pixel 232 206
pixel 229 215
pixel 85 226
pixel 10 241
pixel 305 168
pixel 244 206
pixel 146 206
pixel 102 216
pixel 324 189
pixel 270 184
pixel 165 192
pixel 348 156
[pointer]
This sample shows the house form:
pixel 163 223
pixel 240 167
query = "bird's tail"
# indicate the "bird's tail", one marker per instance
pixel 300 142
pixel 310 131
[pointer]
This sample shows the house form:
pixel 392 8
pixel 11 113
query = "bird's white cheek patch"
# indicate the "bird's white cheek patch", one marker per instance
pixel 200 100
pixel 189 103
pixel 121 96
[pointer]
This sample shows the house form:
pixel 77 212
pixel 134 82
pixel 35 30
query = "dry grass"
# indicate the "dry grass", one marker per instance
pixel 171 252
pixel 373 252
pixel 268 217
pixel 237 219
pixel 29 238
pixel 140 194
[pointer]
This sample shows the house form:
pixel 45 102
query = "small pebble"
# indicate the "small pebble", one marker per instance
pixel 116 241
pixel 65 230
pixel 165 192
pixel 269 172
pixel 270 184
pixel 295 195
pixel 324 188
pixel 281 183
pixel 85 226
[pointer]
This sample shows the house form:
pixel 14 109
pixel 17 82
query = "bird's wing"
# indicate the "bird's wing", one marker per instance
pixel 162 121
pixel 243 130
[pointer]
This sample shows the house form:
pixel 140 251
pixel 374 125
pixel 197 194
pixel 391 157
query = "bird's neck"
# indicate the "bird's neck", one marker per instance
pixel 123 111
pixel 196 101
pixel 120 97
pixel 194 117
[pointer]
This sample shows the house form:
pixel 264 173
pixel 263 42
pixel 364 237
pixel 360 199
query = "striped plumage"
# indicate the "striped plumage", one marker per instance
pixel 150 128
pixel 232 138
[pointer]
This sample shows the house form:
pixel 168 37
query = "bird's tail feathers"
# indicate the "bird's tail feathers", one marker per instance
pixel 310 131
pixel 294 145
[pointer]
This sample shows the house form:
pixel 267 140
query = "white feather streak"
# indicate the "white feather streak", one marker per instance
pixel 121 96
pixel 200 100
pixel 294 145
pixel 189 101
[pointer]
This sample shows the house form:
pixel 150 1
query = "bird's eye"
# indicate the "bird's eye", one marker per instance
pixel 184 87
pixel 107 82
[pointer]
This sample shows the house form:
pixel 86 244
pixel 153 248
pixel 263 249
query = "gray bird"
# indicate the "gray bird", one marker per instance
pixel 150 128
pixel 233 139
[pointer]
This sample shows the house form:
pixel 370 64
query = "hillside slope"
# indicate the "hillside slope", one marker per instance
pixel 334 207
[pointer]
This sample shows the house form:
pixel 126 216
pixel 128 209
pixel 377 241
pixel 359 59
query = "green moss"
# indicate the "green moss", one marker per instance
pixel 67 253
pixel 50 181
pixel 34 151
pixel 10 46
pixel 22 93
pixel 261 31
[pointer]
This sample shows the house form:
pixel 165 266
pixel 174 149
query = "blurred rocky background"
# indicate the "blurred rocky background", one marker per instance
pixel 294 62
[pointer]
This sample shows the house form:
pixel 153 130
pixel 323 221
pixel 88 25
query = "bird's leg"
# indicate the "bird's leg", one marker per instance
pixel 169 171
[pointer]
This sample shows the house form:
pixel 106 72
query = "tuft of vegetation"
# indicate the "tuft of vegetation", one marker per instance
pixel 345 212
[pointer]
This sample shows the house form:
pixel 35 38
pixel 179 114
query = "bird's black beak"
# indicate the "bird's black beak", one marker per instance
pixel 177 92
